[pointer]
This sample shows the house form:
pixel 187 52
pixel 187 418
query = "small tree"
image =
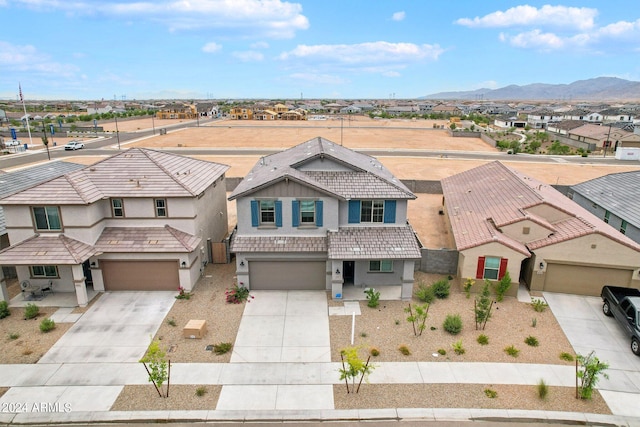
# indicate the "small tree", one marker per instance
pixel 373 297
pixel 354 367
pixel 157 366
pixel 502 286
pixel 483 305
pixel 452 126
pixel 418 318
pixel 468 284
pixel 588 371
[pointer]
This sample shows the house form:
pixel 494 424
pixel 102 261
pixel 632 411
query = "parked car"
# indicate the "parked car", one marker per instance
pixel 624 305
pixel 12 143
pixel 74 145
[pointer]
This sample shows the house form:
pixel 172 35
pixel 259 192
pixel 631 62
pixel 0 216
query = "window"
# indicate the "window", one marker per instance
pixel 491 268
pixel 117 207
pixel 43 271
pixel 623 227
pixel 47 218
pixel 267 212
pixel 161 207
pixel 307 212
pixel 607 214
pixel 372 211
pixel 383 266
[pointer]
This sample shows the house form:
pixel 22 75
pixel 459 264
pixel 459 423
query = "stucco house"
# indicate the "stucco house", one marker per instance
pixel 321 216
pixel 139 220
pixel 503 220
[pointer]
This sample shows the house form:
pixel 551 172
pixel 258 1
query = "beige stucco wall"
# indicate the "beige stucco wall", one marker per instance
pixel 515 231
pixel 468 260
pixel 548 212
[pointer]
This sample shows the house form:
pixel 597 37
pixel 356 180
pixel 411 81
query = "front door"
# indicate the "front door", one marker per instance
pixel 348 272
pixel 86 269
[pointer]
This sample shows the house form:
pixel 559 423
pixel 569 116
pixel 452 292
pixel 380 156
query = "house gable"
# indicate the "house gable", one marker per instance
pixel 287 188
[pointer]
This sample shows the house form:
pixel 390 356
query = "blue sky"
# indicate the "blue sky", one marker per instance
pixel 87 49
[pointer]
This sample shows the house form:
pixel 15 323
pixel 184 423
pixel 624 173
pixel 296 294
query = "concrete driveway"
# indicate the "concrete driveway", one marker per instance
pixel 588 329
pixel 117 328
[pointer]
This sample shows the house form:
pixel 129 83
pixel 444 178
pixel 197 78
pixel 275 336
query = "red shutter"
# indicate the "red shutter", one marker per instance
pixel 503 267
pixel 480 270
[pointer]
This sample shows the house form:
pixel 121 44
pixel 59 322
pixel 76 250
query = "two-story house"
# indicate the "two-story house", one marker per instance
pixel 139 220
pixel 321 216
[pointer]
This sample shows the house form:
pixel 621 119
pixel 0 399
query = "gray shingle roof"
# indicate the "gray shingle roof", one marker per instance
pixel 146 239
pixel 137 172
pixel 373 243
pixel 47 250
pixel 363 170
pixel 278 244
pixel 618 193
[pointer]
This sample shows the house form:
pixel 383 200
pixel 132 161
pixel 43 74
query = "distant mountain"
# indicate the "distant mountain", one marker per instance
pixel 601 88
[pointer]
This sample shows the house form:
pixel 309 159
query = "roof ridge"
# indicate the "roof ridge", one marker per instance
pixel 65 241
pixel 146 151
pixel 178 234
pixel 75 187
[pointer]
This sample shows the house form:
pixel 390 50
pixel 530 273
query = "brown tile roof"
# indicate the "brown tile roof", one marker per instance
pixel 363 170
pixel 373 243
pixel 47 250
pixel 278 244
pixel 137 172
pixel 146 239
pixel 481 200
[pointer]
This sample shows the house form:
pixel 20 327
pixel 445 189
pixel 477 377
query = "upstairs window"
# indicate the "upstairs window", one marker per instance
pixel 161 207
pixel 623 227
pixel 267 212
pixel 117 208
pixel 47 218
pixel 372 211
pixel 307 212
pixel 607 215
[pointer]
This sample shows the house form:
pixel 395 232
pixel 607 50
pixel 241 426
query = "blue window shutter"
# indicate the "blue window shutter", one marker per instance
pixel 254 213
pixel 354 211
pixel 319 213
pixel 295 213
pixel 389 211
pixel 278 213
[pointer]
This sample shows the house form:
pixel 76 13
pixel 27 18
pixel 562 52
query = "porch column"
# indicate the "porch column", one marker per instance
pixel 80 285
pixel 336 279
pixel 4 294
pixel 407 279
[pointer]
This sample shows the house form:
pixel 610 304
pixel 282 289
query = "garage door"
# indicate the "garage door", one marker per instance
pixel 584 280
pixel 140 275
pixel 287 275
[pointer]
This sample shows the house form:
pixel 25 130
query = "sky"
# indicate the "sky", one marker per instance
pixel 330 49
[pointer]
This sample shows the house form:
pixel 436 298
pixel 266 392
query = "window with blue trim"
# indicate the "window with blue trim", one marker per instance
pixel 267 212
pixel 372 211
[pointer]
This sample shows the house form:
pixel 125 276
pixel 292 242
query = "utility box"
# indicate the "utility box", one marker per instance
pixel 195 329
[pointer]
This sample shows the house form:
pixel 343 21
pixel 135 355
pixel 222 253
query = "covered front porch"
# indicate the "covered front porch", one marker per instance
pixel 56 299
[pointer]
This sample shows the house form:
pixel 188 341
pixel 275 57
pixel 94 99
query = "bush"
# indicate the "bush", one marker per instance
pixel 237 294
pixel 452 324
pixel 373 297
pixel 4 309
pixel 441 288
pixel 47 325
pixel 172 322
pixel 531 340
pixel 222 348
pixel 566 356
pixel 374 352
pixel 442 351
pixel 14 336
pixel 404 350
pixel 543 390
pixel 31 311
pixel 539 304
pixel 201 391
pixel 483 339
pixel 491 394
pixel 425 293
pixel 458 348
pixel 502 286
pixel 512 351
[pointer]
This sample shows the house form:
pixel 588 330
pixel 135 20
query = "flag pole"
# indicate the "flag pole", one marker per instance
pixel 25 114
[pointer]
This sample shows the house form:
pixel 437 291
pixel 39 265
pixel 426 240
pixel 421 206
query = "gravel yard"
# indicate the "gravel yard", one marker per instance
pixel 181 398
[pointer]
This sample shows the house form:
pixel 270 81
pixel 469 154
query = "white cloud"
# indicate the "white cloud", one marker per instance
pixel 398 16
pixel 391 74
pixel 28 58
pixel 581 18
pixel 270 18
pixel 211 47
pixel 259 45
pixel 621 29
pixel 248 56
pixel 365 53
pixel 314 78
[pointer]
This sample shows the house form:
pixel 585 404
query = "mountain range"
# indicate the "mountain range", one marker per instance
pixel 600 89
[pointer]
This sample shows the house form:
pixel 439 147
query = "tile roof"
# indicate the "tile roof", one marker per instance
pixel 278 244
pixel 137 172
pixel 373 243
pixel 146 239
pixel 47 250
pixel 599 132
pixel 618 193
pixel 481 200
pixel 364 170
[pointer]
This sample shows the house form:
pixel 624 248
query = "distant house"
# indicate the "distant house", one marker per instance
pixel 240 113
pixel 503 220
pixel 565 126
pixel 297 114
pixel 208 109
pixel 509 122
pixel 540 118
pixel 99 108
pixel 616 115
pixel 614 198
pixel 351 110
pixel 267 115
pixel 447 109
pixel 601 136
pixel 177 111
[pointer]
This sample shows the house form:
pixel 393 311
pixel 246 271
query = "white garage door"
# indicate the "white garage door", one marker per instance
pixel 287 275
pixel 583 279
pixel 140 275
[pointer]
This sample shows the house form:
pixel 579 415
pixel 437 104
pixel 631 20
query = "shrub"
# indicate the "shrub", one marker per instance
pixel 491 394
pixel 483 339
pixel 4 309
pixel 374 352
pixel 534 322
pixel 566 356
pixel 363 334
pixel 458 348
pixel 397 321
pixel 442 351
pixel 237 294
pixel 222 348
pixel 482 308
pixel 511 351
pixel 468 284
pixel 14 336
pixel 201 391
pixel 172 322
pixel 425 293
pixel 502 286
pixel 539 304
pixel 543 390
pixel 182 294
pixel 531 340
pixel 373 297
pixel 47 325
pixel 452 324
pixel 31 311
pixel 404 350
pixel 441 288
pixel 588 373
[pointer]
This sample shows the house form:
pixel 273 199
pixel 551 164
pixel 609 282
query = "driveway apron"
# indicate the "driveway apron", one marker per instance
pixel 281 327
